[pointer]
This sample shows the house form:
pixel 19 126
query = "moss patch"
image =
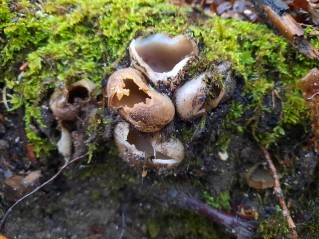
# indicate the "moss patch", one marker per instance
pixel 220 202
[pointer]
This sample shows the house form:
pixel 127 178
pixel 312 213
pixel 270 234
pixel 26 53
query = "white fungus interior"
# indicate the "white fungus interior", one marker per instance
pixel 135 95
pixel 162 54
pixel 143 144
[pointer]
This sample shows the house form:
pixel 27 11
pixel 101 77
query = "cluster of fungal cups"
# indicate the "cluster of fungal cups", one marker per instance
pixel 160 61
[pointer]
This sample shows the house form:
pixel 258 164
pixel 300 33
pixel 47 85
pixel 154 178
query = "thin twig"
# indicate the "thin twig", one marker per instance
pixel 280 195
pixel 3 220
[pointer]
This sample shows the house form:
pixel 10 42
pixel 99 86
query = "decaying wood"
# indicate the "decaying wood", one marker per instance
pixel 276 14
pixel 280 195
pixel 310 91
pixel 286 24
pixel 292 31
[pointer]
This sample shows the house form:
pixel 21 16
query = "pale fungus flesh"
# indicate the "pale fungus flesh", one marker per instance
pixel 128 140
pixel 147 149
pixel 82 90
pixel 191 97
pixel 163 58
pixel 168 153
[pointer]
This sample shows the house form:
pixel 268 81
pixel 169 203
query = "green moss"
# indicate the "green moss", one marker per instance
pixel 313 36
pixel 293 107
pixel 40 145
pixel 95 130
pixel 231 125
pixel 153 229
pixel 64 41
pixel 307 205
pixel 274 227
pixel 67 40
pixel 233 119
pixel 221 201
pixel 223 141
pixel 96 196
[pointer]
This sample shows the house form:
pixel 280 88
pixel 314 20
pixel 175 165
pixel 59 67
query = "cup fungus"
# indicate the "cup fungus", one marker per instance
pixel 259 177
pixel 67 103
pixel 141 149
pixel 163 58
pixel 142 106
pixel 205 92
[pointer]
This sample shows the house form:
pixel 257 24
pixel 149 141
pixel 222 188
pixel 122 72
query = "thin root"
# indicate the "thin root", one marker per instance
pixel 280 196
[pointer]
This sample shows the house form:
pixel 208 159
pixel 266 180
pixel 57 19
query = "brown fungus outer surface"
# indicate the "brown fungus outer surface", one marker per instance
pixel 130 95
pixel 164 59
pixel 66 103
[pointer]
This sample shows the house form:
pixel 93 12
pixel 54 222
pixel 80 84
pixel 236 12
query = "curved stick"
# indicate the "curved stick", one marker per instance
pixel 280 195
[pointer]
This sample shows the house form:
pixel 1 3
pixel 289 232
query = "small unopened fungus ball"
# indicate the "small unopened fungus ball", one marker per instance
pixel 164 59
pixel 147 149
pixel 205 92
pixel 142 106
pixel 191 97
